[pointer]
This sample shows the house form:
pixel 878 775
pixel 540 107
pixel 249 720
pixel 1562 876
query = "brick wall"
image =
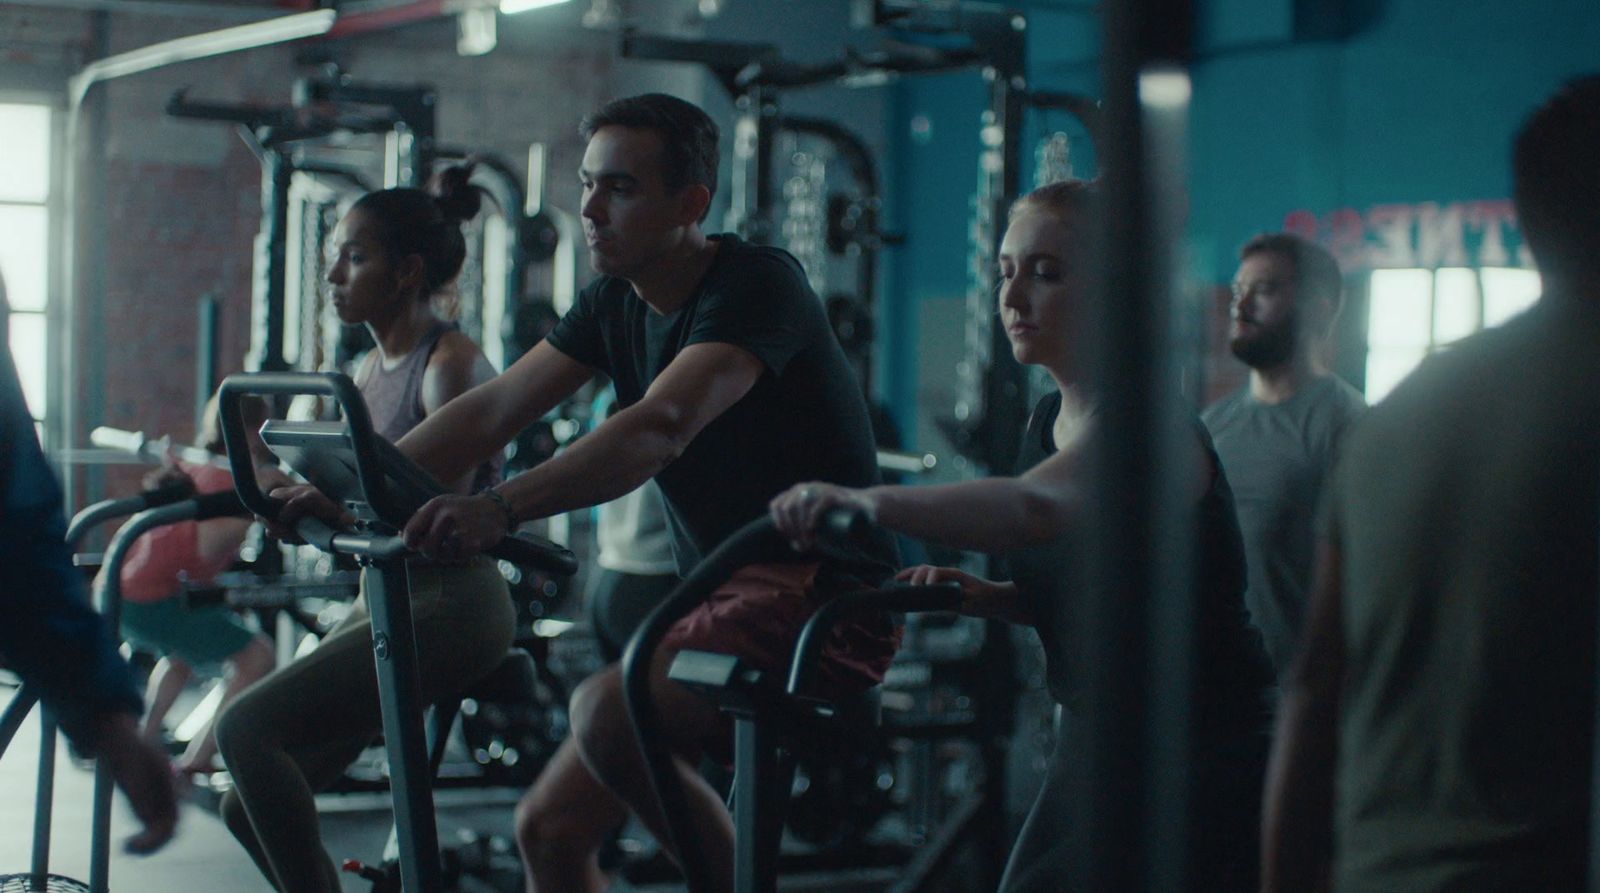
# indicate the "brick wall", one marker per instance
pixel 170 207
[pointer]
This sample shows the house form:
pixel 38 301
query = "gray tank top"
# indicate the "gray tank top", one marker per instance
pixel 394 398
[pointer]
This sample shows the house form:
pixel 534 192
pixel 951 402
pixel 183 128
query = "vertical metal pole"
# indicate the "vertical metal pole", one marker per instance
pixel 110 607
pixel 1005 401
pixel 100 844
pixel 83 276
pixel 1004 415
pixel 1594 783
pixel 205 359
pixel 1134 820
pixel 741 186
pixel 394 152
pixel 755 803
pixel 44 796
pixel 394 649
pixel 764 106
pixel 1164 91
pixel 750 209
pixel 268 311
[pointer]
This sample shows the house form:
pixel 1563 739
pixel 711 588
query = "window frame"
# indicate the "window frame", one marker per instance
pixel 1431 344
pixel 51 421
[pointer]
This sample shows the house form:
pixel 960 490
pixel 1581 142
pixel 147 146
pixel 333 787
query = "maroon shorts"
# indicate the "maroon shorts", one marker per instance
pixel 757 615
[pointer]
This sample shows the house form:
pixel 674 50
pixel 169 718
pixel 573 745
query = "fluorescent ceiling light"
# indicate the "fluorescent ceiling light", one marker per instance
pixel 512 7
pixel 1165 86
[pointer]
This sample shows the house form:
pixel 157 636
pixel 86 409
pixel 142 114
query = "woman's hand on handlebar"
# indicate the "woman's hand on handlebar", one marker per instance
pixel 798 511
pixel 271 478
pixel 304 501
pixel 979 597
pixel 455 528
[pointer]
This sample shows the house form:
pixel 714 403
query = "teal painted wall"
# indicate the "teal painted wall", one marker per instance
pixel 1418 108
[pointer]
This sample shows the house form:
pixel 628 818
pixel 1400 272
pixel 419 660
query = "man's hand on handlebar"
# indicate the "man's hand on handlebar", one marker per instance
pixel 455 528
pixel 798 511
pixel 304 501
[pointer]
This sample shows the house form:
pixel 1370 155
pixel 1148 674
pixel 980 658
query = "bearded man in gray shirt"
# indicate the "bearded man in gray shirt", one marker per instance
pixel 1277 435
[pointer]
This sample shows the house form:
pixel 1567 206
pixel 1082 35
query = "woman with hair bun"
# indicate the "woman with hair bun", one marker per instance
pixel 395 252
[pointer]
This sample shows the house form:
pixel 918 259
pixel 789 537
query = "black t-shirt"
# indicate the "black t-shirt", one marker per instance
pixel 1233 676
pixel 805 418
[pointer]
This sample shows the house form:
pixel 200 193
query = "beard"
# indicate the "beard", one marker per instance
pixel 1267 348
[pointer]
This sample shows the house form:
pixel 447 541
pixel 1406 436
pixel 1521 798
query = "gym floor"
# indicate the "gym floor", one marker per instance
pixel 204 857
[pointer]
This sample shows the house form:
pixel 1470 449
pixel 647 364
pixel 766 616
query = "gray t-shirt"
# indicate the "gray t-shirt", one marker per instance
pixel 1465 506
pixel 1276 457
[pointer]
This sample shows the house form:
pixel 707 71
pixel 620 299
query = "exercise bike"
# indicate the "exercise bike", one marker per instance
pixel 382 489
pixel 775 721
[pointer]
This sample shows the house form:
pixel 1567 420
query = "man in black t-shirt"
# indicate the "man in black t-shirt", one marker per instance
pixel 732 388
pixel 802 419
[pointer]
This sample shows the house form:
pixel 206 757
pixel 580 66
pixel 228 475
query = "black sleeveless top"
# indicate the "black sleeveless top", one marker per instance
pixel 1233 676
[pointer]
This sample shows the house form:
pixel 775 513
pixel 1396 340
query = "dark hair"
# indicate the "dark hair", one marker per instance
pixel 427 223
pixel 1556 179
pixel 1063 197
pixel 688 135
pixel 1316 273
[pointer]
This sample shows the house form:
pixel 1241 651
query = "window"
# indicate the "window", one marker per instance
pixel 25 184
pixel 1412 313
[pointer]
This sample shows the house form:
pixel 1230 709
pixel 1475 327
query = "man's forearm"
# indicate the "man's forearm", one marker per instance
pixel 611 461
pixel 988 515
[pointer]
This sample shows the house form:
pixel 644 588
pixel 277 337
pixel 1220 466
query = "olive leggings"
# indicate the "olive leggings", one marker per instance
pixel 294 732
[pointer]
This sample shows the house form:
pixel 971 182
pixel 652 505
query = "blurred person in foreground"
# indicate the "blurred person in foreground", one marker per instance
pixel 1437 732
pixel 51 637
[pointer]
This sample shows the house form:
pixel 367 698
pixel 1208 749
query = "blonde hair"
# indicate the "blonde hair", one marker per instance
pixel 1063 198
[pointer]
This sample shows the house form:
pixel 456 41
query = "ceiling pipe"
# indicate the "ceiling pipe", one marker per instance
pixel 198 46
pixel 355 20
pixel 183 49
pixel 184 9
pixel 365 18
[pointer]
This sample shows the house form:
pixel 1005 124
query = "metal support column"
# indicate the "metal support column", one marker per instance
pixel 751 210
pixel 758 809
pixel 271 266
pixel 1134 819
pixel 205 359
pixel 394 648
pixel 44 796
